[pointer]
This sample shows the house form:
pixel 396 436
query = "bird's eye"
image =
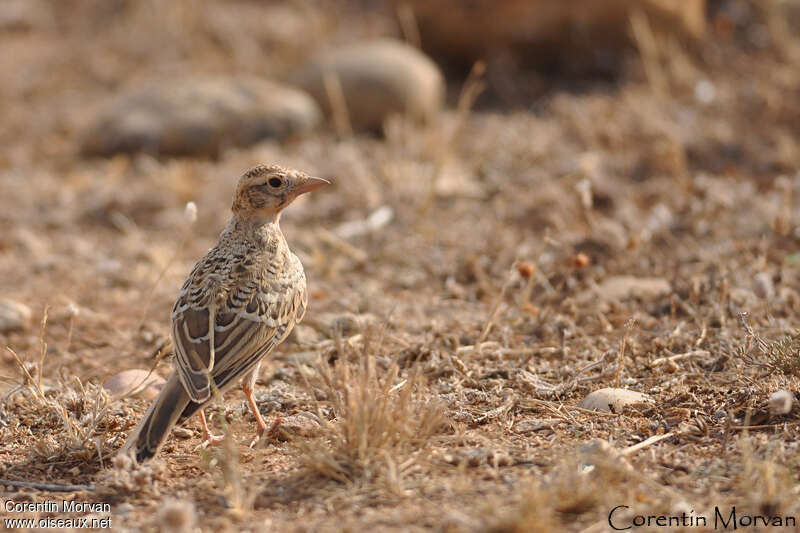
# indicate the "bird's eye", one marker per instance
pixel 275 182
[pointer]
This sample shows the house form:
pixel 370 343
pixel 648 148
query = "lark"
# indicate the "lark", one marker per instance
pixel 241 300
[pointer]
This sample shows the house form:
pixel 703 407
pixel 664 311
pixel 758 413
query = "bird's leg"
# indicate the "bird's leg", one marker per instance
pixel 209 438
pixel 248 384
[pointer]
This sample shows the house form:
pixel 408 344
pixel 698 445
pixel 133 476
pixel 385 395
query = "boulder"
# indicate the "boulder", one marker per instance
pixel 377 79
pixel 198 117
pixel 477 29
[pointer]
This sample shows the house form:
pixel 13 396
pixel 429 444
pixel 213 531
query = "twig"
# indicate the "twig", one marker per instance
pixel 621 356
pixel 357 254
pixel 529 402
pixel 497 412
pixel 44 349
pixel 687 355
pixel 45 486
pixel 763 426
pixel 408 25
pixel 495 308
pixel 473 87
pixel 27 375
pixel 338 103
pixel 645 443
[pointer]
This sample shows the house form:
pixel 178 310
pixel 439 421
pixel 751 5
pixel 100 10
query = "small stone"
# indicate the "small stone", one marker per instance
pixel 378 79
pixel 13 315
pixel 580 260
pixel 148 387
pixel 705 92
pixel 625 287
pixel 298 425
pixel 183 433
pixel 346 324
pixel 763 286
pixel 780 402
pixel 304 334
pixel 374 222
pixel 613 400
pixel 199 116
pixel 526 269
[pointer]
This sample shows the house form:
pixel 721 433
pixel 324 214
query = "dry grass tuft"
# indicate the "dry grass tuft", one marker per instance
pixel 590 481
pixel 764 484
pixel 67 417
pixel 224 463
pixel 380 422
pixel 781 356
pixel 126 478
pixel 534 513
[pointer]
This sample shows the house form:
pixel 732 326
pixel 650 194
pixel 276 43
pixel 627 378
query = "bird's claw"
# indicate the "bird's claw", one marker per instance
pixel 263 435
pixel 212 440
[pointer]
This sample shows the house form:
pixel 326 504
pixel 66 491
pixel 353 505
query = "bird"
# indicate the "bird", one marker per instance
pixel 240 301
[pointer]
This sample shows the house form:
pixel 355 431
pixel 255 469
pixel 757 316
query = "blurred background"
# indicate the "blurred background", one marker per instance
pixel 648 137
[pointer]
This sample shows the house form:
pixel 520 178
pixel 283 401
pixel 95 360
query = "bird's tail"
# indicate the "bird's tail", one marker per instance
pixel 146 440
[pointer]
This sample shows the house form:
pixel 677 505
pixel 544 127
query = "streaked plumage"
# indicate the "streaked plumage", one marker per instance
pixel 240 301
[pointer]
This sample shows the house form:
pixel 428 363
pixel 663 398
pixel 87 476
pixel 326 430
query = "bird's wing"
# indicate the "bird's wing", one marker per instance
pixel 255 315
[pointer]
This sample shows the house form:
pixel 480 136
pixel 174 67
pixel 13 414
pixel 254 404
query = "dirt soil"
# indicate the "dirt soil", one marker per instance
pixel 639 232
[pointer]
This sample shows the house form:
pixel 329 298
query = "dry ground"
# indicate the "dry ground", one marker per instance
pixel 451 401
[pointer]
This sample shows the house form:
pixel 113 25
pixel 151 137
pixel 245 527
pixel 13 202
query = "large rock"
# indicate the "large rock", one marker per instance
pixel 378 79
pixel 199 116
pixel 479 28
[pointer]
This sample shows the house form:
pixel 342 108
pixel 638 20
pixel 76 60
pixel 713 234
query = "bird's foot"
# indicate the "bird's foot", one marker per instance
pixel 264 435
pixel 211 440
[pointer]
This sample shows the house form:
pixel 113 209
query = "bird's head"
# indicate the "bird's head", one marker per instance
pixel 264 191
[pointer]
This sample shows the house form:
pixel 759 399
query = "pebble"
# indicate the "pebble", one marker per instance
pixel 199 116
pixel 763 286
pixel 612 400
pixel 346 324
pixel 299 425
pixel 183 433
pixel 126 380
pixel 13 315
pixel 378 79
pixel 780 402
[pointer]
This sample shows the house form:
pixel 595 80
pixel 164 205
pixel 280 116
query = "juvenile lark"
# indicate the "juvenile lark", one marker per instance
pixel 240 301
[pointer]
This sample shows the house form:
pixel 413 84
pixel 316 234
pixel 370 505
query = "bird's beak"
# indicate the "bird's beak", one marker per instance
pixel 310 184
